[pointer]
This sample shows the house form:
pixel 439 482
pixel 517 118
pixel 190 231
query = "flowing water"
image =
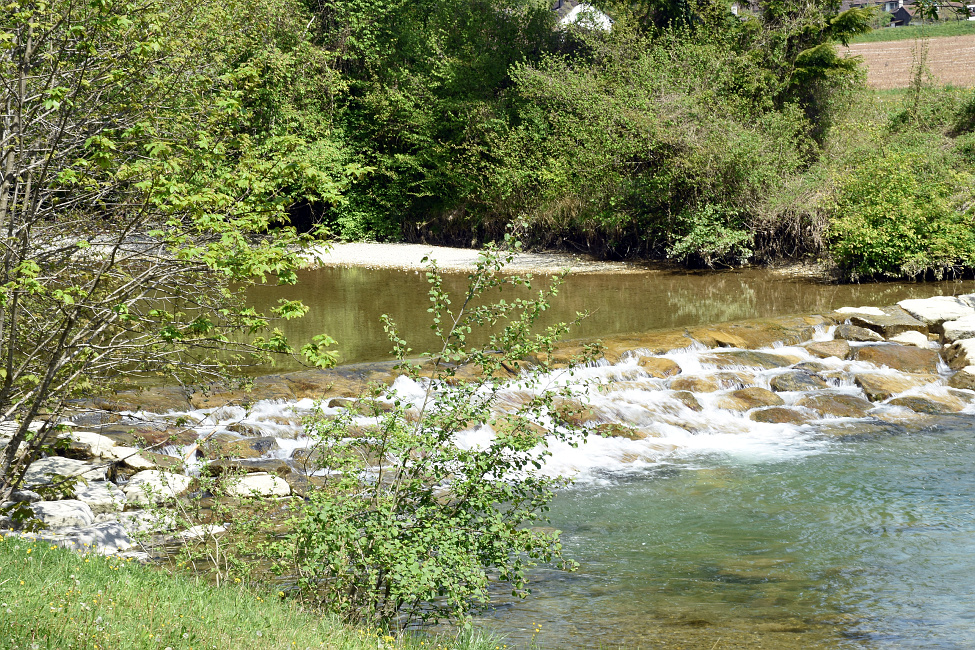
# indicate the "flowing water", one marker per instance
pixel 711 530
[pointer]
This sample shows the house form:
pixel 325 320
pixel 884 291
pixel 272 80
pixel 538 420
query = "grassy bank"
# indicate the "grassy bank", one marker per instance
pixel 949 28
pixel 56 599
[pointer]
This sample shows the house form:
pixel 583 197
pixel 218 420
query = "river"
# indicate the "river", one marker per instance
pixel 739 534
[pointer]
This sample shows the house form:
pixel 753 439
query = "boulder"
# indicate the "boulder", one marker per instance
pixel 838 348
pixel 687 399
pixel 144 521
pixel 102 497
pixel 163 399
pixel 778 415
pixel 241 448
pixel 797 380
pixel 956 330
pixel 40 471
pixel 746 399
pixel 659 367
pixel 900 357
pixel 856 334
pixel 888 321
pixel 303 485
pixel 259 485
pixel 880 386
pixel 747 359
pixel 616 430
pixel 811 366
pixel 130 457
pixel 929 404
pixel 959 354
pixel 63 514
pixel 963 379
pixel 934 312
pixel 259 465
pixel 913 338
pixel 154 486
pixel 96 444
pixel 837 405
pixel 695 384
pixel 106 538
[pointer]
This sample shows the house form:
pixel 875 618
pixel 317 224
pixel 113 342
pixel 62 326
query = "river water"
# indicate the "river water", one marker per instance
pixel 719 532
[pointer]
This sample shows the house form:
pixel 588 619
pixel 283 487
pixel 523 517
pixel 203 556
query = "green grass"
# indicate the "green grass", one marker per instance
pixel 51 599
pixel 949 28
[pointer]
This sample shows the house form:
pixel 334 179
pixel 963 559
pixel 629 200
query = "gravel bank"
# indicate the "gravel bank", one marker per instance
pixel 410 256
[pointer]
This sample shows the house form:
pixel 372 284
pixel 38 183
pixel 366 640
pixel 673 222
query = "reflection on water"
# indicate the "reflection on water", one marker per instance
pixel 869 544
pixel 346 303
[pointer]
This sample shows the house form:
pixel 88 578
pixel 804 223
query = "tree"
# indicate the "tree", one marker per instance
pixel 132 208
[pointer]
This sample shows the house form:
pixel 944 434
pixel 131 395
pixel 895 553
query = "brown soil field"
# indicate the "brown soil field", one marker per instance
pixel 951 60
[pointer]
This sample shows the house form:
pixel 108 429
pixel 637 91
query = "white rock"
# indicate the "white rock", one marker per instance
pixel 129 456
pixel 142 521
pixel 155 486
pixel 199 532
pixel 259 484
pixel 69 513
pixel 106 538
pixel 99 444
pixel 960 353
pixel 935 311
pixel 40 471
pixel 963 328
pixel 102 497
pixel 873 311
pixel 913 338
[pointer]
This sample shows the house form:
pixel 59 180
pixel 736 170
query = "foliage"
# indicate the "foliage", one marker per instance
pixel 912 32
pixel 437 495
pixel 54 598
pixel 130 201
pixel 897 214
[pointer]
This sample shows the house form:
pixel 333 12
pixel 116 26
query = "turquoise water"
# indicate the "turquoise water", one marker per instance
pixel 866 543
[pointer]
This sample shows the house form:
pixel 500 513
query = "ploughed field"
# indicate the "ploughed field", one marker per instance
pixel 950 59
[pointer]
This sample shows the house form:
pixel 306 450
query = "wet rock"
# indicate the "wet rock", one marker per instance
pixel 733 380
pixel 797 380
pixel 573 412
pixel 881 386
pixel 838 348
pixel 650 343
pixel 748 398
pixel 956 330
pixel 154 486
pixel 616 430
pixel 241 448
pixel 856 334
pixel 695 384
pixel 934 312
pixel 715 338
pixel 899 357
pixel 270 387
pixel 659 367
pixel 41 471
pixel 887 321
pixel 959 354
pixel 258 485
pixel 760 333
pixel 837 405
pixel 747 359
pixel 162 399
pixel 101 496
pixel 913 338
pixel 811 367
pixel 928 404
pixel 688 399
pixel 260 465
pixel 778 415
pixel 63 514
pixel 963 379
pixel 303 485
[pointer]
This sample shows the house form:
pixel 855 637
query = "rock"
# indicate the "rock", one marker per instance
pixel 97 444
pixel 760 333
pixel 836 405
pixel 857 334
pixel 303 485
pixel 956 330
pixel 659 367
pixel 715 338
pixel 913 338
pixel 797 380
pixel 934 312
pixel 888 321
pixel 40 471
pixel 687 399
pixel 260 485
pixel 269 387
pixel 131 457
pixel 106 538
pixel 63 514
pixel 929 404
pixel 838 348
pixel 900 357
pixel 154 486
pixel 28 496
pixel 616 430
pixel 102 497
pixel 959 354
pixel 260 465
pixel 963 379
pixel 777 415
pixel 813 367
pixel 747 359
pixel 143 521
pixel 748 398
pixel 695 384
pixel 242 448
pixel 202 531
pixel 155 400
pixel 881 386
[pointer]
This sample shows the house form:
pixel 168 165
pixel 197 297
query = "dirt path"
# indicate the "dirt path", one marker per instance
pixel 951 60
